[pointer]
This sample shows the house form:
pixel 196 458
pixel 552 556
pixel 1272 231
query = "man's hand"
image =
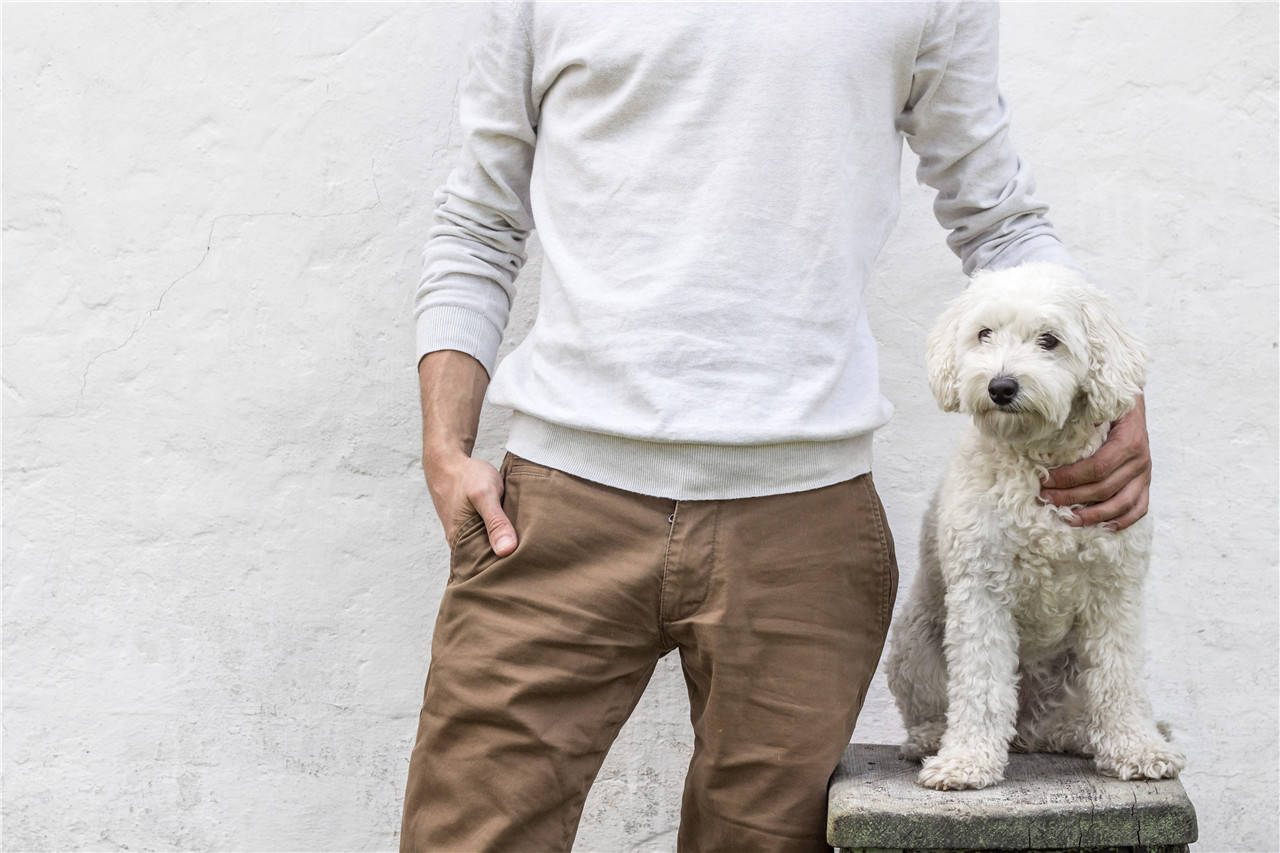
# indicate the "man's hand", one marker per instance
pixel 461 487
pixel 1115 481
pixel 453 385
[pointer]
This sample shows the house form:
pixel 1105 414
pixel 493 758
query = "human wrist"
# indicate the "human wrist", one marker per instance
pixel 444 455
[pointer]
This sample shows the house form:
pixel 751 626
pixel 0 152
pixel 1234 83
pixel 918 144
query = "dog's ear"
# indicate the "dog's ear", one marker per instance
pixel 1117 360
pixel 941 359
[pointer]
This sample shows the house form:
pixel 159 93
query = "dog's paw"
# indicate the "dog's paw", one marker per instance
pixel 956 771
pixel 1147 761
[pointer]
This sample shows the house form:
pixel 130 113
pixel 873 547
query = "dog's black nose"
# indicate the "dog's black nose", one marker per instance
pixel 1002 390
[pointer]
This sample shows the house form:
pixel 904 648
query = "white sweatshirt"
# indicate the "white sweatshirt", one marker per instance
pixel 711 184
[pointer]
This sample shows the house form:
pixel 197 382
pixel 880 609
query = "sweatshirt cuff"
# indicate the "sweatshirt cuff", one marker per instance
pixel 1040 247
pixel 463 329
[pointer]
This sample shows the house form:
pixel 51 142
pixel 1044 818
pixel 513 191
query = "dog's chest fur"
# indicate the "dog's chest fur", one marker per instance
pixel 1046 568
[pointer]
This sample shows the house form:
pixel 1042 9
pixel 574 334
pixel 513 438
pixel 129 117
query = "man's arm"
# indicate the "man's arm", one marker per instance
pixel 478 242
pixel 957 122
pixel 474 251
pixel 452 384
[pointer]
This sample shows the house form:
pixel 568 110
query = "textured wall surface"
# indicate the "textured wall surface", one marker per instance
pixel 220 562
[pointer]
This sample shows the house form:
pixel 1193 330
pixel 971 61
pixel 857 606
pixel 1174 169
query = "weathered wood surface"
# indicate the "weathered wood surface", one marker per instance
pixel 1046 802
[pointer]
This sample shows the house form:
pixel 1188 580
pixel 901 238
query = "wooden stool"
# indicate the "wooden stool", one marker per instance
pixel 1045 803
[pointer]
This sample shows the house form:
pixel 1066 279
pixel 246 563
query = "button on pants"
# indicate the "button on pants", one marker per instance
pixel 778 606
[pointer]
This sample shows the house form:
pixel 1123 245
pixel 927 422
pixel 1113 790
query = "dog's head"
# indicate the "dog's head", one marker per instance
pixel 1026 349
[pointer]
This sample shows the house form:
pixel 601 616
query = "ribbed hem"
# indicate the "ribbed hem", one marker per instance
pixel 689 471
pixel 463 329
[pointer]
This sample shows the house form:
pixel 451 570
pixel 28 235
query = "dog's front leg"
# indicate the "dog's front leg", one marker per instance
pixel 1119 727
pixel 981 645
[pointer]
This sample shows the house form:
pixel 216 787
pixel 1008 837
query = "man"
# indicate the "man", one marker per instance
pixel 689 459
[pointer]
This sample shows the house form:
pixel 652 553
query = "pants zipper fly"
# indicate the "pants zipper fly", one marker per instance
pixel 662 587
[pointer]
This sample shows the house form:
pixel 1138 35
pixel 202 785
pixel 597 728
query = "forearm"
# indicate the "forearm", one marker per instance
pixel 452 386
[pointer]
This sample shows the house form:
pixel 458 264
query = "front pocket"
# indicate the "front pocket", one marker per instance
pixel 888 555
pixel 524 467
pixel 472 523
pixel 472 553
pixel 470 550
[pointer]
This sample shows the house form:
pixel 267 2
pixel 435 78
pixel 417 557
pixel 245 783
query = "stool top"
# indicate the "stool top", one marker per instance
pixel 1045 802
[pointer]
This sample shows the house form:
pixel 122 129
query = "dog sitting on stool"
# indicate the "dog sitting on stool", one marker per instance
pixel 1022 630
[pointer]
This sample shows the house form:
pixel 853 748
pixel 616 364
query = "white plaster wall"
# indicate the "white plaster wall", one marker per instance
pixel 220 562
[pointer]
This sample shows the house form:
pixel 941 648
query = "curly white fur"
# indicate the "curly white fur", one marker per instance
pixel 1021 629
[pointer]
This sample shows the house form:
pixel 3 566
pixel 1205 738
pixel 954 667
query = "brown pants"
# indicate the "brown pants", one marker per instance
pixel 779 606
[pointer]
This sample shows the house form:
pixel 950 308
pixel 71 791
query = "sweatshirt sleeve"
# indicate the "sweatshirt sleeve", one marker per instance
pixel 958 123
pixel 476 245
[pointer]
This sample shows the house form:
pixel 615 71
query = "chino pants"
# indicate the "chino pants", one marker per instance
pixel 778 606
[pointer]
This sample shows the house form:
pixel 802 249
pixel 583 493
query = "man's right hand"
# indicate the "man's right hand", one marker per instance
pixel 462 487
pixel 453 385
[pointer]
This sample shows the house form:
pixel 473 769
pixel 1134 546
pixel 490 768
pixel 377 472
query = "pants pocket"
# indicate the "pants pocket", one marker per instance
pixel 888 555
pixel 472 552
pixel 468 527
pixel 471 541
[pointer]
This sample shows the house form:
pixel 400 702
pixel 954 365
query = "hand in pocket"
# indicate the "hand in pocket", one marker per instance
pixel 463 488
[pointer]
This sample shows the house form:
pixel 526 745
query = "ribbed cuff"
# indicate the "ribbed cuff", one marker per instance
pixel 684 471
pixel 1039 247
pixel 451 327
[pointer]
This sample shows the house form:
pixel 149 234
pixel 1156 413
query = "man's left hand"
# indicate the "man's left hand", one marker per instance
pixel 1115 482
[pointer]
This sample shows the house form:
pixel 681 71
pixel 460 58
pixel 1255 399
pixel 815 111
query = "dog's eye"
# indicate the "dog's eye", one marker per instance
pixel 1047 341
pixel 984 334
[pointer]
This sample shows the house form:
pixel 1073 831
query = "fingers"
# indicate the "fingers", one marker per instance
pixel 1122 447
pixel 464 487
pixel 1126 442
pixel 1103 489
pixel 1125 508
pixel 501 532
pixel 1115 481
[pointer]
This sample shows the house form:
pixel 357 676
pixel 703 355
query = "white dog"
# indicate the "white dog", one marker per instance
pixel 1021 629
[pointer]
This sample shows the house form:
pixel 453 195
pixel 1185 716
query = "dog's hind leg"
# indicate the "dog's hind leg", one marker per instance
pixel 916 669
pixel 918 681
pixel 1050 715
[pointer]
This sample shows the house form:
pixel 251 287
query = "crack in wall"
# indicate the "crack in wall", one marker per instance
pixel 208 249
